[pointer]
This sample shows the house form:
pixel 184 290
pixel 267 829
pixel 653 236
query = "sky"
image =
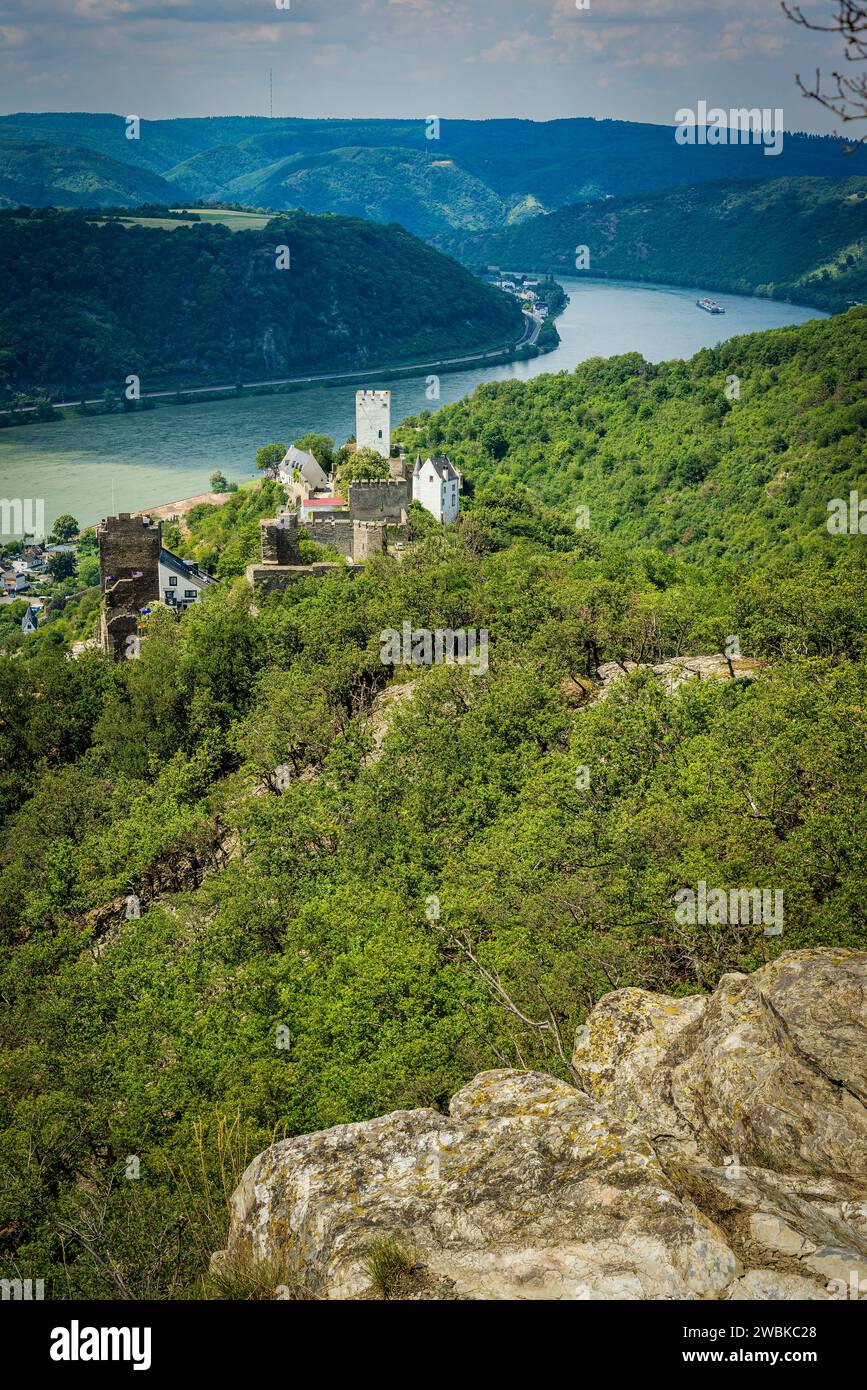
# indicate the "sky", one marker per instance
pixel 636 60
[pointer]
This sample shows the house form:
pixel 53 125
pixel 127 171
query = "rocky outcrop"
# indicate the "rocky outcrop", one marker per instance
pixel 716 1148
pixel 581 690
pixel 382 711
pixel 771 1068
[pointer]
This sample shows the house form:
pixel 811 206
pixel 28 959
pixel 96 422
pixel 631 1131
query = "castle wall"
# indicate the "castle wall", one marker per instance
pixel 379 501
pixel 268 579
pixel 336 531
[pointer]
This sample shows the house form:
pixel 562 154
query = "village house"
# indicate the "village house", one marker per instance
pixel 31 560
pixel 14 582
pixel 181 583
pixel 312 507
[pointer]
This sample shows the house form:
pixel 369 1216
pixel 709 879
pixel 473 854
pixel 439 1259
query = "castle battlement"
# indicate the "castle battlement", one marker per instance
pixel 381 499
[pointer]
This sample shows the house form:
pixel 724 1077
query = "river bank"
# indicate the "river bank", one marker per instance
pixel 94 465
pixel 180 394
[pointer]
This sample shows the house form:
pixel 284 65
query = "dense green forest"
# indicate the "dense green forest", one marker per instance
pixel 799 239
pixel 705 458
pixel 307 947
pixel 86 305
pixel 472 174
pixel 430 196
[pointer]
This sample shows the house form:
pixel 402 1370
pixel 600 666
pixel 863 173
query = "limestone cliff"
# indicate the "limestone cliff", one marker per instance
pixel 718 1149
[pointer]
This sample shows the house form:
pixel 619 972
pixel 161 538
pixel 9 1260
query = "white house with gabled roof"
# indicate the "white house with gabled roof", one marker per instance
pixel 436 484
pixel 181 583
pixel 304 464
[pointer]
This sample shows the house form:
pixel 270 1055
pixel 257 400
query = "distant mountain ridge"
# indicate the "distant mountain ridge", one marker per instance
pixel 432 197
pixel 493 165
pixel 40 174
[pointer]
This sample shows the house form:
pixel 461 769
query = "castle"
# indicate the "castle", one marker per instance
pixel 376 512
pixel 136 571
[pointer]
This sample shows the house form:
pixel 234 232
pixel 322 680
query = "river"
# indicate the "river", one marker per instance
pixel 96 465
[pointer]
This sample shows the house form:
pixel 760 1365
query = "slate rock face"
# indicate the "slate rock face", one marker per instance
pixel 716 1150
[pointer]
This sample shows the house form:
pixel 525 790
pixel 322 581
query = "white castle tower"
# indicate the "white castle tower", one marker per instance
pixel 373 421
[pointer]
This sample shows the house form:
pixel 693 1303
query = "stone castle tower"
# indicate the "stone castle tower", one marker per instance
pixel 129 576
pixel 279 538
pixel 373 421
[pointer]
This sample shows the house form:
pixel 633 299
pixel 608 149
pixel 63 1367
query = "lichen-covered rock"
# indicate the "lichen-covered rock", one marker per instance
pixel 527 1189
pixel 680 669
pixel 619 1055
pixel 809 1225
pixel 716 1150
pixel 774 1284
pixel 770 1070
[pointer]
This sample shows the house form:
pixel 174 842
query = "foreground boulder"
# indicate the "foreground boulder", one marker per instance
pixel 526 1189
pixel 771 1069
pixel 716 1151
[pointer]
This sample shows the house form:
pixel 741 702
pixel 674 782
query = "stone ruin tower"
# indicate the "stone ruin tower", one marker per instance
pixel 129 576
pixel 373 421
pixel 368 539
pixel 279 537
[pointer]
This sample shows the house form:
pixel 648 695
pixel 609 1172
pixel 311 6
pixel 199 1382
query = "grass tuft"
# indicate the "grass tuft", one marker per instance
pixel 242 1278
pixel 389 1263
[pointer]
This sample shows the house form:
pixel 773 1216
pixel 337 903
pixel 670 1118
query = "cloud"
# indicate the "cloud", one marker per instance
pixel 539 58
pixel 740 40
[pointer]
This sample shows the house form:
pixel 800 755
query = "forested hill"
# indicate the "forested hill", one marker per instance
pixel 478 171
pixel 733 454
pixel 431 197
pixel 299 908
pixel 40 174
pixel 803 240
pixel 85 305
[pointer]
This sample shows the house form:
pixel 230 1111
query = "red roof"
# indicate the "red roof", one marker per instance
pixel 324 502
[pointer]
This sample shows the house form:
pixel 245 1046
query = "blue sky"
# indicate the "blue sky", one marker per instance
pixel 473 58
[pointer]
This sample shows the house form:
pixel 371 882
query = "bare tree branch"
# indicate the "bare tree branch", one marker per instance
pixel 548 1026
pixel 847 96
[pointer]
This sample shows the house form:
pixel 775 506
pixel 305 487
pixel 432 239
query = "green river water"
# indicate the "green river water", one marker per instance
pixel 95 466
